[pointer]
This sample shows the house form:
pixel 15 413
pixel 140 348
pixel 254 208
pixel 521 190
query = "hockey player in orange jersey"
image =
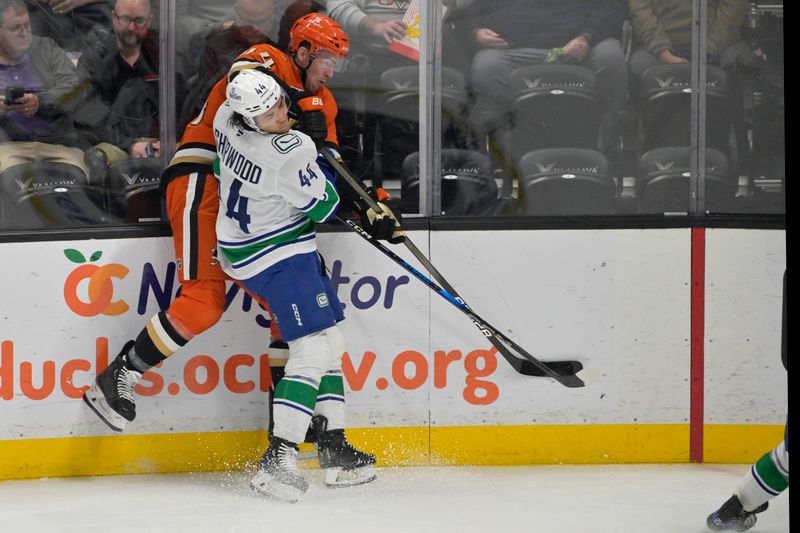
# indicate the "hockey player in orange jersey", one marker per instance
pixel 318 47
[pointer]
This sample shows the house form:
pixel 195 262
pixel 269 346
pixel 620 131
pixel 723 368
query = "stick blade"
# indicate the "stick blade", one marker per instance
pixel 562 368
pixel 572 381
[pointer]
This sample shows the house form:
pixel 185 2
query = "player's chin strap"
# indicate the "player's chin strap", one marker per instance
pixel 250 121
pixel 303 70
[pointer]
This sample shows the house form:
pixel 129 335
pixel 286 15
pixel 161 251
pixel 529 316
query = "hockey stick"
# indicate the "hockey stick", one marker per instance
pixel 523 366
pixel 570 380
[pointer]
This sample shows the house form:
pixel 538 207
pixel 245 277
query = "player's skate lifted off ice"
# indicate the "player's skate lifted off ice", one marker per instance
pixel 258 245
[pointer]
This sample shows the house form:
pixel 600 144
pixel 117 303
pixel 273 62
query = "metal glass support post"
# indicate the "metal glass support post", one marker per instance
pixel 430 107
pixel 697 181
pixel 166 67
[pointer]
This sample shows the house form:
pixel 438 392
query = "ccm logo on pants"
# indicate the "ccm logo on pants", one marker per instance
pixel 297 317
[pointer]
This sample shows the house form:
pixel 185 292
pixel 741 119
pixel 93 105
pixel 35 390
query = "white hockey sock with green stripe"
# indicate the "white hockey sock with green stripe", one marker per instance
pixel 768 477
pixel 330 399
pixel 293 406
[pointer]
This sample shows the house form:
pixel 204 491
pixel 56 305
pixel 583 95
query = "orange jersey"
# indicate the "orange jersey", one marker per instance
pixel 197 148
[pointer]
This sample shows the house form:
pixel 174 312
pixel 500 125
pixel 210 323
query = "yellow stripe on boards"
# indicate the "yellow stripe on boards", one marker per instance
pixel 467 445
pixel 549 444
pixel 129 454
pixel 733 443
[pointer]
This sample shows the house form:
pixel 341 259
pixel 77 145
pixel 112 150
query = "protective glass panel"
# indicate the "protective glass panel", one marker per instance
pixel 532 100
pixel 746 169
pixel 378 94
pixel 80 115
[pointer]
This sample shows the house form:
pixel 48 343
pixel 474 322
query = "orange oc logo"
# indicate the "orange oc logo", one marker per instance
pixel 101 289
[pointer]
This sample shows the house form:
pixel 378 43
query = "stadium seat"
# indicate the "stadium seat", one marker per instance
pixel 133 189
pixel 555 106
pixel 665 107
pixel 50 195
pixel 468 187
pixel 663 185
pixel 401 88
pixel 566 181
pixel 398 116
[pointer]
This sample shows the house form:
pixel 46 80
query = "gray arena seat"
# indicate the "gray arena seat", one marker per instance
pixel 665 107
pixel 398 116
pixel 133 193
pixel 468 187
pixel 663 184
pixel 401 93
pixel 50 195
pixel 555 106
pixel 566 181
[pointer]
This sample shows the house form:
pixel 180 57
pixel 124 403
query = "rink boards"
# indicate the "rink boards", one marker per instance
pixel 424 385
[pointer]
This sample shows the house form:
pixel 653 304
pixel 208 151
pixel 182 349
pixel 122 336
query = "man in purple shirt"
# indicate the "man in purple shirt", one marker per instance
pixel 36 125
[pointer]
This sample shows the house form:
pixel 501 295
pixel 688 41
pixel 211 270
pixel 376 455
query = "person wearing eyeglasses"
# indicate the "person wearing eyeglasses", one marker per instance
pixel 37 84
pixel 122 70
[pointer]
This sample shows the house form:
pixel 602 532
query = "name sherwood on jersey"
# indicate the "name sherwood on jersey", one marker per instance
pixel 244 168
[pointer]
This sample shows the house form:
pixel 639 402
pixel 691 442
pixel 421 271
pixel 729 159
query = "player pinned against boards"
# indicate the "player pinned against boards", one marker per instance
pixel 274 189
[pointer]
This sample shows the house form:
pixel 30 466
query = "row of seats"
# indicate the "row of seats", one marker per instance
pixel 556 105
pixel 574 181
pixel 549 142
pixel 59 195
pixel 554 181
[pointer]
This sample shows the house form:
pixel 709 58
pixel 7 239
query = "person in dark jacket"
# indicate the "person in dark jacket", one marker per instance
pixel 517 33
pixel 122 71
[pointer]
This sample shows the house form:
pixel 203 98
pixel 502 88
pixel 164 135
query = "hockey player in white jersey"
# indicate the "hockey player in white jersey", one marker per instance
pixel 272 192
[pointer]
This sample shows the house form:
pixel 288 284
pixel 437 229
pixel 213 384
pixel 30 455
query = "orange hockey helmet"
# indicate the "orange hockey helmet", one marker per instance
pixel 322 33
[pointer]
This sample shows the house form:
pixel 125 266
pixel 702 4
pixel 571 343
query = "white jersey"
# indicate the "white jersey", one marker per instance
pixel 271 193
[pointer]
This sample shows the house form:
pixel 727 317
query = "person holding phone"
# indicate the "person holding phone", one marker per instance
pixel 37 84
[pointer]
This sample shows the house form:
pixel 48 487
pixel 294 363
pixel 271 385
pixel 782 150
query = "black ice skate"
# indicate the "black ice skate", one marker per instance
pixel 344 464
pixel 732 517
pixel 111 397
pixel 277 475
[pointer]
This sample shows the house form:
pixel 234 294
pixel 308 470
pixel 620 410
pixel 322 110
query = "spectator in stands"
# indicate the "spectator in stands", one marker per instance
pixel 662 31
pixel 38 119
pixel 211 54
pixel 68 21
pixel 288 11
pixel 517 33
pixel 122 68
pixel 251 25
pixel 373 25
pixel 197 17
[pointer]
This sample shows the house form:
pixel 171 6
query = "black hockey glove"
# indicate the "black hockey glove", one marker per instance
pixel 311 120
pixel 384 226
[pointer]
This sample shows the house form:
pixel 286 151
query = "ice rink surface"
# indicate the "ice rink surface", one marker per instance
pixel 545 499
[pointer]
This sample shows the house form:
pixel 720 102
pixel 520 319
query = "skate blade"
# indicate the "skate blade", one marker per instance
pixel 714 523
pixel 96 401
pixel 272 488
pixel 339 478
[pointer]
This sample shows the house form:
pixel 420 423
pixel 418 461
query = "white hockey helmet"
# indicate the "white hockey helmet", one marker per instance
pixel 252 93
